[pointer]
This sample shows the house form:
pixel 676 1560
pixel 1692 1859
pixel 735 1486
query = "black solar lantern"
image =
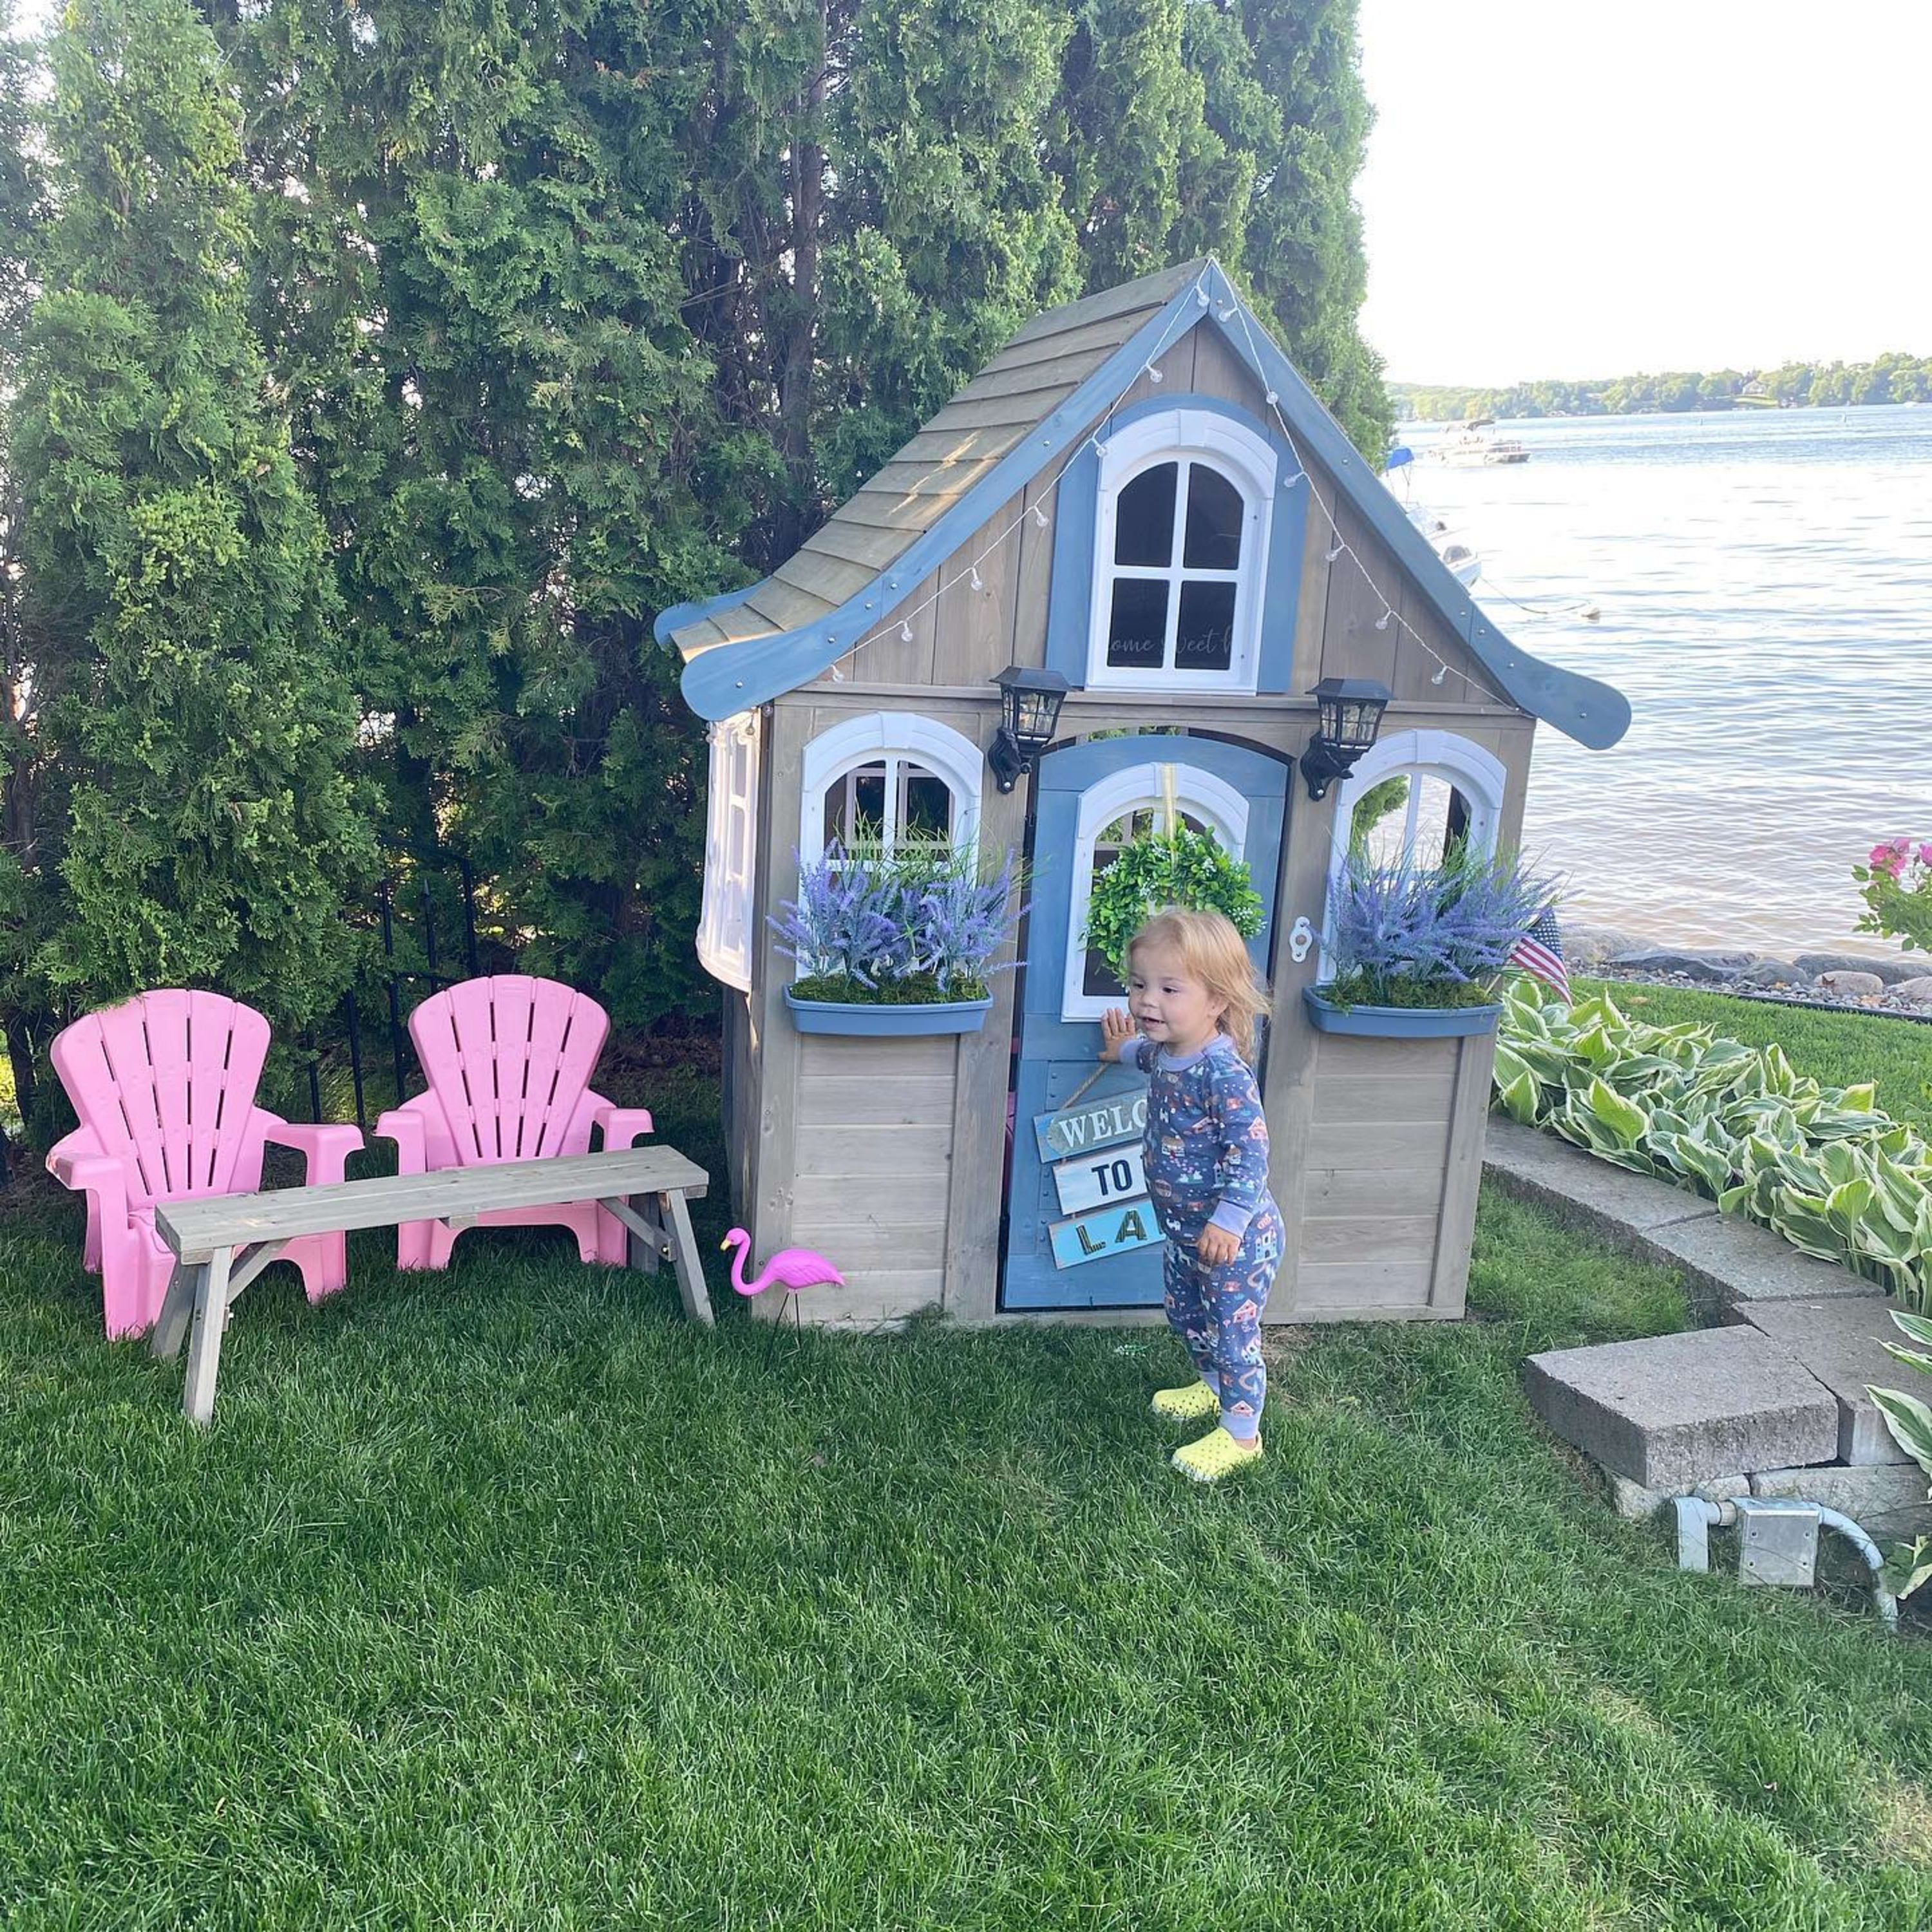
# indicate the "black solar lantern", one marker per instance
pixel 1029 714
pixel 1351 714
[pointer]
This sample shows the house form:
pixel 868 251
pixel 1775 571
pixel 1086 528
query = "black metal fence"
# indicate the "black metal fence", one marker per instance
pixel 424 917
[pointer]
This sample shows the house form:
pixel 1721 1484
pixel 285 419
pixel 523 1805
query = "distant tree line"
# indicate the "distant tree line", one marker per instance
pixel 1890 379
pixel 372 376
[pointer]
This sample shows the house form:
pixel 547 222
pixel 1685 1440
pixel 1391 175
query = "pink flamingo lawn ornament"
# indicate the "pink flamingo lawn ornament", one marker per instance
pixel 793 1269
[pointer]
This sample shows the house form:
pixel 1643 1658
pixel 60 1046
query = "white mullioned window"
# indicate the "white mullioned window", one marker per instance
pixel 1180 554
pixel 887 781
pixel 1412 795
pixel 725 935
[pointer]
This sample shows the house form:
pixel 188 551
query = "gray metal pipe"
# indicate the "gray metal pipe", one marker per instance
pixel 1697 1516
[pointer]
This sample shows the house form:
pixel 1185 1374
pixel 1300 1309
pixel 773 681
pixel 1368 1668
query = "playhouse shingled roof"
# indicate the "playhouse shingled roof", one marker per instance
pixel 1019 417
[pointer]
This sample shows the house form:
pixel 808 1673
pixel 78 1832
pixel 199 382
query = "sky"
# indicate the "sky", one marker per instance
pixel 1595 187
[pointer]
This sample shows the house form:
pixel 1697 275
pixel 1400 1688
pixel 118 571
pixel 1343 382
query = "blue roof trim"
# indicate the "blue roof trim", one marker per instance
pixel 1592 713
pixel 729 678
pixel 679 615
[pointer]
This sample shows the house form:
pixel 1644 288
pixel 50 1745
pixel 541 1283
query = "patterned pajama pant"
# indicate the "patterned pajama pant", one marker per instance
pixel 1217 1312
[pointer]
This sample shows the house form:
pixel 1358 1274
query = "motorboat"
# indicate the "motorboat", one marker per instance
pixel 1473 449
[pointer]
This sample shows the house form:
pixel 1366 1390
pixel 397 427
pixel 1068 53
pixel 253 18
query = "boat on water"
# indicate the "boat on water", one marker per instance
pixel 1461 560
pixel 1474 449
pixel 1458 556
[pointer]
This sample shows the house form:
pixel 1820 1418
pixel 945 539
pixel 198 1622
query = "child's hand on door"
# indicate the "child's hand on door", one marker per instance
pixel 1115 1027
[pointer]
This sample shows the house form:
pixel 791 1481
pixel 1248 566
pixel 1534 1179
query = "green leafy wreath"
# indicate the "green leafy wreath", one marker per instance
pixel 1180 867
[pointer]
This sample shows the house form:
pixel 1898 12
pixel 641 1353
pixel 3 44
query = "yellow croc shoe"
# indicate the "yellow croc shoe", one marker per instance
pixel 1216 1455
pixel 1186 1405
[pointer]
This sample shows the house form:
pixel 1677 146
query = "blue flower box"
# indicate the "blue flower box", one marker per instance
pixel 878 1022
pixel 1398 1022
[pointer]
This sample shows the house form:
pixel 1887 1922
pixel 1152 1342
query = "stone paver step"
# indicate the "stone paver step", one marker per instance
pixel 1839 1341
pixel 1728 1263
pixel 1672 1410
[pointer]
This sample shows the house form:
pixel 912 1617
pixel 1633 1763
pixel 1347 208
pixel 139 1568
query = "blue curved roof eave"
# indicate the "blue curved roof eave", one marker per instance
pixel 729 678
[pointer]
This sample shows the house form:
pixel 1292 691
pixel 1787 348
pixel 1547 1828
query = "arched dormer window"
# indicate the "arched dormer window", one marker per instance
pixel 887 781
pixel 1180 554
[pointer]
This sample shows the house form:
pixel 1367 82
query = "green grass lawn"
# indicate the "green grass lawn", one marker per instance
pixel 507 1599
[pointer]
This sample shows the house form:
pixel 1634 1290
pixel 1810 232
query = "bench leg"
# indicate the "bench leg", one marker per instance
pixel 171 1324
pixel 204 1348
pixel 691 1288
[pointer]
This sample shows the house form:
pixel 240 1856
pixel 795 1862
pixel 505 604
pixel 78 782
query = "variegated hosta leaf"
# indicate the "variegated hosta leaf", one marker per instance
pixel 1625 1118
pixel 1909 1567
pixel 1910 1422
pixel 1917 1327
pixel 1520 1098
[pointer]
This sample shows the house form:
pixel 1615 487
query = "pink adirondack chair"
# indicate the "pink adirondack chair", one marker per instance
pixel 508 1059
pixel 164 1084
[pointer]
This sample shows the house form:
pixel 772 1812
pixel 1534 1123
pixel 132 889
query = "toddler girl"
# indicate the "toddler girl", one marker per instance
pixel 1195 999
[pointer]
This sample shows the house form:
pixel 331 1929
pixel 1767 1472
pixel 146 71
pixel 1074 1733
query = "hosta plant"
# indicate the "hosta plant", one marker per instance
pixel 1910 1421
pixel 919 927
pixel 1822 1166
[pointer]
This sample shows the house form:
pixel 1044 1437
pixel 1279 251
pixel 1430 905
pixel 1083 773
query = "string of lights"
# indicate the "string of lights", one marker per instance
pixel 1337 547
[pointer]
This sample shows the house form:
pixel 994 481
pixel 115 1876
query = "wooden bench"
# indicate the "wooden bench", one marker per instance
pixel 222 1242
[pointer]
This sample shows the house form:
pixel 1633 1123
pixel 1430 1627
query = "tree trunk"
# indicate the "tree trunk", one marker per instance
pixel 800 515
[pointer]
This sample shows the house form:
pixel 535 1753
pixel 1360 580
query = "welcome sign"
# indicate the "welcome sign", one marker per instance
pixel 1096 1124
pixel 1100 1182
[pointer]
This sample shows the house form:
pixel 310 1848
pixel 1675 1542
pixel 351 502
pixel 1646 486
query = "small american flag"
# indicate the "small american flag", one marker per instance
pixel 1541 951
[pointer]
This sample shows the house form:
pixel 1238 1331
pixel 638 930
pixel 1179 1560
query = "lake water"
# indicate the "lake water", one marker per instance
pixel 1765 580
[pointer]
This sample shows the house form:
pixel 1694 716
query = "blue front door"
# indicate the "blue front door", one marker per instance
pixel 1080 1230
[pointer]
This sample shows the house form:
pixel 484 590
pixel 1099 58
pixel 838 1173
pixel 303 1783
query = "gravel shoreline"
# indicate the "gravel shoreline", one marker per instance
pixel 1898 985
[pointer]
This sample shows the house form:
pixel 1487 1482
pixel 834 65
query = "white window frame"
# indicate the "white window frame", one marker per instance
pixel 1472 769
pixel 725 924
pixel 1246 460
pixel 890 736
pixel 1198 793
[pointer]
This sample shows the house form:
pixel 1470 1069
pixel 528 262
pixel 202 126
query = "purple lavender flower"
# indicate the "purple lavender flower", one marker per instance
pixel 869 919
pixel 1454 924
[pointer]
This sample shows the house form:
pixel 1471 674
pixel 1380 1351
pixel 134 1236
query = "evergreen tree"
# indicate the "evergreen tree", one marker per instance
pixel 581 311
pixel 22 211
pixel 178 621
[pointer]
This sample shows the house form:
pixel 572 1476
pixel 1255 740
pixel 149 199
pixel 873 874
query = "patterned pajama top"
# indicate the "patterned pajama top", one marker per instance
pixel 1206 1148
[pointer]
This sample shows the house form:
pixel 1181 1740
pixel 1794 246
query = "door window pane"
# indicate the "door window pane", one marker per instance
pixel 1214 511
pixel 1137 629
pixel 1205 640
pixel 1144 517
pixel 1097 980
pixel 1413 814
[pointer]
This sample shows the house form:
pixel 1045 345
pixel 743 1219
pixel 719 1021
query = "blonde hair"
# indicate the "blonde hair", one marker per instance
pixel 1212 952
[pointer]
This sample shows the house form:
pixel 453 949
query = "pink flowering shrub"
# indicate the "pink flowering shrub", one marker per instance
pixel 1895 882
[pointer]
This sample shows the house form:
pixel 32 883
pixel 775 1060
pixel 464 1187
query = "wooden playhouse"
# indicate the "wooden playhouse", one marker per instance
pixel 1139 493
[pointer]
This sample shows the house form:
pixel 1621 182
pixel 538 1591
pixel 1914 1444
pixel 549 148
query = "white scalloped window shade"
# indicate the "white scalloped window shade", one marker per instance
pixel 725 927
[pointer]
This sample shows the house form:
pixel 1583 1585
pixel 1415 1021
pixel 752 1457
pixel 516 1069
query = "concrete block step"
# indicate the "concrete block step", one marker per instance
pixel 1839 1341
pixel 1672 1411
